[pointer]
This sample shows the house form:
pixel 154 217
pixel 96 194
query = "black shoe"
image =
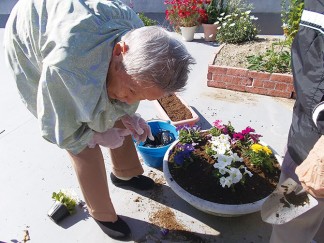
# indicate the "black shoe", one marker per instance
pixel 137 182
pixel 118 230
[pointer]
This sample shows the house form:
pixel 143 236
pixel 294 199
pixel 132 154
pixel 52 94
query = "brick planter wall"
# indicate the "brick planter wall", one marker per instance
pixel 244 80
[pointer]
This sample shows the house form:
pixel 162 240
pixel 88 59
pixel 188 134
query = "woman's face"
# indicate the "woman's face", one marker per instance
pixel 123 87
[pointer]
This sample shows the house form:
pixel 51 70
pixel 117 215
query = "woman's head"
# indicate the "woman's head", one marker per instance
pixel 155 56
pixel 152 64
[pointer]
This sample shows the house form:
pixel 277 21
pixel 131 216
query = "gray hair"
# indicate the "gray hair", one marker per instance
pixel 157 57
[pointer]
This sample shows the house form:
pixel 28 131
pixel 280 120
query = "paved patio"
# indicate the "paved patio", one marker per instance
pixel 31 169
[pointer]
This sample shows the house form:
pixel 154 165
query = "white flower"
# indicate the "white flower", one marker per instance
pixel 219 27
pixel 222 14
pixel 248 12
pixel 235 175
pixel 236 157
pixel 246 171
pixel 221 158
pixel 225 181
pixel 232 24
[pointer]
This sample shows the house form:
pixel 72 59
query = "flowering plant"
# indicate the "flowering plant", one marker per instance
pixel 184 13
pixel 233 155
pixel 212 10
pixel 237 27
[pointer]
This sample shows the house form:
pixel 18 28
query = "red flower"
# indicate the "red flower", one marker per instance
pixel 185 12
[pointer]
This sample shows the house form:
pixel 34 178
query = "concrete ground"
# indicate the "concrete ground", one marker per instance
pixel 31 169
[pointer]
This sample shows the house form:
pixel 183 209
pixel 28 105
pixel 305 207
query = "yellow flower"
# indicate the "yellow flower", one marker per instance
pixel 256 147
pixel 267 150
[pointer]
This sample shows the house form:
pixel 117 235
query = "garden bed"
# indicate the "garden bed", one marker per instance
pixel 228 70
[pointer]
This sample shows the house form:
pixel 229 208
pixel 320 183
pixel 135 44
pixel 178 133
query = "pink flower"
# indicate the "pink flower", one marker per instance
pixel 218 124
pixel 247 130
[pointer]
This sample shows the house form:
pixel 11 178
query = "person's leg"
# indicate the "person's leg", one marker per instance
pixel 125 161
pixel 303 228
pixel 126 167
pixel 91 173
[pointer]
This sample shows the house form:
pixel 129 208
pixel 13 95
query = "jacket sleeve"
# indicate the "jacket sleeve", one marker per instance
pixel 61 111
pixel 318 117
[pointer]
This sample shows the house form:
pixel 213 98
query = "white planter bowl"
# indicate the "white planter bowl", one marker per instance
pixel 217 209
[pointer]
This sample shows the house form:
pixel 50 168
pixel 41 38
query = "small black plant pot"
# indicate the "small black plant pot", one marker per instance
pixel 58 212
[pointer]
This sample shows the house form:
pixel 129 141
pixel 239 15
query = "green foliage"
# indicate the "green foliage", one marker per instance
pixel 290 15
pixel 188 134
pixel 260 156
pixel 214 9
pixel 66 200
pixel 236 28
pixel 272 61
pixel 146 20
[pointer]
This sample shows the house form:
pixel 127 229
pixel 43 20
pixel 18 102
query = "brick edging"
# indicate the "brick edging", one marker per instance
pixel 245 80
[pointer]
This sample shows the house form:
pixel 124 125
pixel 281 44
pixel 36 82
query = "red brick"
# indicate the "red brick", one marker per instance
pixel 236 80
pixel 269 84
pixel 257 83
pixel 277 93
pixel 236 87
pixel 218 77
pixel 228 79
pixel 209 76
pixel 247 81
pixel 281 87
pixel 259 75
pixel 217 69
pixel 280 77
pixel 237 71
pixel 290 87
pixel 256 90
pixel 216 84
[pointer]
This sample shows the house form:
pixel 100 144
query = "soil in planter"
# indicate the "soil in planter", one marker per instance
pixel 174 108
pixel 197 179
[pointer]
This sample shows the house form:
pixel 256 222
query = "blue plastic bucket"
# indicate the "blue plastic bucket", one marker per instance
pixel 153 157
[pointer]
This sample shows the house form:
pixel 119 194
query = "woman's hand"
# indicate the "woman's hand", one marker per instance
pixel 138 126
pixel 311 172
pixel 112 138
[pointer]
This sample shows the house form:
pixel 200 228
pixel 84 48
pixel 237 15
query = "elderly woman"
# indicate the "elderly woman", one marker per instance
pixel 81 68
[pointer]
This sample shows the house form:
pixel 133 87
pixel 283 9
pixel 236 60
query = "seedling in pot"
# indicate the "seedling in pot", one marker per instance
pixel 64 205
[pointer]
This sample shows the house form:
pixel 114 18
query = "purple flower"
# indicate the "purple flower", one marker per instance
pixel 183 152
pixel 255 137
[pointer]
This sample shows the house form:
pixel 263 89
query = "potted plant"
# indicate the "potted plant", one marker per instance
pixel 184 16
pixel 221 171
pixel 64 205
pixel 213 9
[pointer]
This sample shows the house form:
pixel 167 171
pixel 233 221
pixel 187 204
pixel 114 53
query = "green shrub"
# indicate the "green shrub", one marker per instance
pixel 273 60
pixel 146 20
pixel 236 28
pixel 290 15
